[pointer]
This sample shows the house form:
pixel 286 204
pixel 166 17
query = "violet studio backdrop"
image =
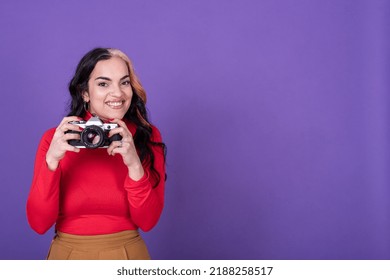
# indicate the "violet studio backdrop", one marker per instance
pixel 275 114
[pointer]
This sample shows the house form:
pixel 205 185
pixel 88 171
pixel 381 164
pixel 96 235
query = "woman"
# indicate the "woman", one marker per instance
pixel 98 198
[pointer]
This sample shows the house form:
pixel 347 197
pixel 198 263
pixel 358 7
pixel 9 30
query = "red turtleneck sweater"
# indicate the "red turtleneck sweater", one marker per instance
pixel 91 193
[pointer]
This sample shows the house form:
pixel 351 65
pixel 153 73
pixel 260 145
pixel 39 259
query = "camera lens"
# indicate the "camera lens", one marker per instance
pixel 92 137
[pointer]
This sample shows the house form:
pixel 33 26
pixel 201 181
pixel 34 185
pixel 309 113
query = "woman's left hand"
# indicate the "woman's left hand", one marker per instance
pixel 126 148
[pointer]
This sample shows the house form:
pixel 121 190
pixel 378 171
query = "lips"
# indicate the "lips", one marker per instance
pixel 115 104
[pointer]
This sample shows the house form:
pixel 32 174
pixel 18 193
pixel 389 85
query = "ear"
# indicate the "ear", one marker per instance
pixel 85 96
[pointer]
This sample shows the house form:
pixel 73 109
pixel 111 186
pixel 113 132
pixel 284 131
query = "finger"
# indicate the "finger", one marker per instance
pixel 123 131
pixel 61 148
pixel 119 130
pixel 71 148
pixel 114 145
pixel 68 126
pixel 117 150
pixel 119 122
pixel 71 136
pixel 70 119
pixel 64 126
pixel 129 139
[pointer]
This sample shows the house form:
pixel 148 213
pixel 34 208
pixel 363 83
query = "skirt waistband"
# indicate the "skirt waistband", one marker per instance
pixel 122 245
pixel 101 240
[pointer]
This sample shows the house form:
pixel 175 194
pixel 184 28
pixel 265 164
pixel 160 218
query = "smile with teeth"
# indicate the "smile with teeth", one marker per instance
pixel 115 104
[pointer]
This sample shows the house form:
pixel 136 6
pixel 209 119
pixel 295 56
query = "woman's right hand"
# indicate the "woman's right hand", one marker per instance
pixel 59 144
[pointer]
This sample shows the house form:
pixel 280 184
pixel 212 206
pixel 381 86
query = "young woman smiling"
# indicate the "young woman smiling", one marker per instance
pixel 99 198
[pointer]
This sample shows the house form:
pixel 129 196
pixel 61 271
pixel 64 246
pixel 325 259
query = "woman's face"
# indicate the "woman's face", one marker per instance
pixel 109 91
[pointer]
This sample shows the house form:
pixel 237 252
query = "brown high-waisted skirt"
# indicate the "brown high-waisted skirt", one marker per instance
pixel 124 245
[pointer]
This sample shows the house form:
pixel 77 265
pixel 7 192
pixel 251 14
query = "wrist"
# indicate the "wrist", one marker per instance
pixel 51 163
pixel 136 171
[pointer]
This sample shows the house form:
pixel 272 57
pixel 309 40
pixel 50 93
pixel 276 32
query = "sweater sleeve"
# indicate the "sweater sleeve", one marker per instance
pixel 146 201
pixel 43 199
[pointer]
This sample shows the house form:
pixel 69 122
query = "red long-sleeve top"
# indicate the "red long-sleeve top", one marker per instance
pixel 91 192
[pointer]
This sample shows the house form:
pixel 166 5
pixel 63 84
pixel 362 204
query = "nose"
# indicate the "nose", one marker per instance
pixel 116 91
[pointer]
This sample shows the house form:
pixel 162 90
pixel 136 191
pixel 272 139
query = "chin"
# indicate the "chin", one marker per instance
pixel 106 117
pixel 117 116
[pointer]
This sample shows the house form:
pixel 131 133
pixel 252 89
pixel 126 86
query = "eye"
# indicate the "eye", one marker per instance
pixel 126 83
pixel 102 84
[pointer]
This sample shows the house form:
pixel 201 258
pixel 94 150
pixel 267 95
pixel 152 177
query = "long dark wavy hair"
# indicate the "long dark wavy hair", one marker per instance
pixel 136 114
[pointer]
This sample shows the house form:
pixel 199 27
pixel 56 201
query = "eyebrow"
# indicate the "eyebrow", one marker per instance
pixel 108 79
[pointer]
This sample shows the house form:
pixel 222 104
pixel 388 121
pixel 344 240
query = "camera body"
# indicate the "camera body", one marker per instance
pixel 94 134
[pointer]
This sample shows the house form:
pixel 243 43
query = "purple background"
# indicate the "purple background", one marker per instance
pixel 275 114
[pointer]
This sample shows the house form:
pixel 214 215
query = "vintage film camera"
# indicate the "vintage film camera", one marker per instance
pixel 94 135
